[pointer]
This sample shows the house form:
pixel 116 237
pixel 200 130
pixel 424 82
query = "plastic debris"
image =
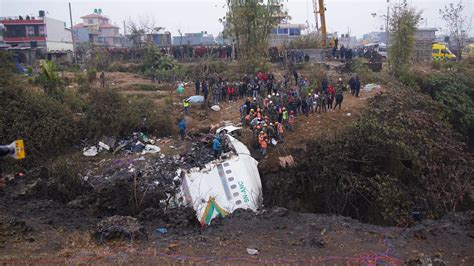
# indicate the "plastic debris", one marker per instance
pixel 162 230
pixel 109 141
pixel 348 114
pixel 151 149
pixel 274 142
pixel 216 108
pixel 371 87
pixel 90 152
pixel 104 146
pixel 196 99
pixel 252 251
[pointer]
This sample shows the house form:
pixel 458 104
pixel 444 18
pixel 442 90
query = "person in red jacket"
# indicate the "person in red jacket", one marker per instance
pixel 331 96
pixel 262 140
pixel 230 92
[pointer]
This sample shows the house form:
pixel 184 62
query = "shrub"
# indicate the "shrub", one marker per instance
pixel 45 124
pixel 65 180
pixel 456 92
pixel 91 74
pixel 436 65
pixel 146 87
pixel 407 77
pixel 111 114
pixel 363 71
pixel 399 156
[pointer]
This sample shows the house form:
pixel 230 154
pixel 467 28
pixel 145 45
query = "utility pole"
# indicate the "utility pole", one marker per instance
pixel 72 36
pixel 386 26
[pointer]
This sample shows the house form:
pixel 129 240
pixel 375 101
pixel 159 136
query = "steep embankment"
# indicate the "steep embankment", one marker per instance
pixel 399 161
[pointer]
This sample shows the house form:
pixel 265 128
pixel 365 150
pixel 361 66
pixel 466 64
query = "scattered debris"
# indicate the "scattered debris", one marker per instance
pixel 216 108
pixel 104 146
pixel 196 99
pixel 137 143
pixel 162 230
pixel 371 87
pixel 286 161
pixel 151 149
pixel 253 251
pixel 90 152
pixel 348 114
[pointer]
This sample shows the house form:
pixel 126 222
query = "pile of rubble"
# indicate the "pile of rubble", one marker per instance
pixel 153 181
pixel 137 143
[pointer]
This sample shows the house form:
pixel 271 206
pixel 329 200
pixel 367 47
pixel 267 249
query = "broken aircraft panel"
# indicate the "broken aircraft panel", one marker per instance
pixel 222 186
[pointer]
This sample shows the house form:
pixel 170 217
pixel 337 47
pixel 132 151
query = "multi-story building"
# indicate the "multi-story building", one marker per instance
pixel 96 28
pixel 44 33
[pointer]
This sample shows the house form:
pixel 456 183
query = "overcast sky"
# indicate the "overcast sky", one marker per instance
pixel 343 16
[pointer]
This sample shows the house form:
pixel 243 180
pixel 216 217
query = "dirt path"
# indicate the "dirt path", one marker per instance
pixel 45 232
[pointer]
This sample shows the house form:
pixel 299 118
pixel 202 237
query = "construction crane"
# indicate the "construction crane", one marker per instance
pixel 318 6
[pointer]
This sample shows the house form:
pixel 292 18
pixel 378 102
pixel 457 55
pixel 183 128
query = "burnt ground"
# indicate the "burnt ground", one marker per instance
pixel 36 229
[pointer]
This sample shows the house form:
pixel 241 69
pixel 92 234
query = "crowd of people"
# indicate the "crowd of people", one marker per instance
pixel 270 106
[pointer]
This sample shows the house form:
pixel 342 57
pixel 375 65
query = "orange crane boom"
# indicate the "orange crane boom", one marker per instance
pixel 322 15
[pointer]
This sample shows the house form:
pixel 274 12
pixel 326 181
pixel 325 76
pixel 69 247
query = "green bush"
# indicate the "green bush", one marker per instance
pixel 91 74
pixel 111 114
pixel 407 77
pixel 45 124
pixel 363 71
pixel 151 87
pixel 455 90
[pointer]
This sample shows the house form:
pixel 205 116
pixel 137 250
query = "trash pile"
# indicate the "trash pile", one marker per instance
pixel 137 143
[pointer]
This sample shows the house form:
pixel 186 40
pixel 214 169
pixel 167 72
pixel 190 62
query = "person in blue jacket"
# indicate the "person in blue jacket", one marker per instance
pixel 182 128
pixel 216 146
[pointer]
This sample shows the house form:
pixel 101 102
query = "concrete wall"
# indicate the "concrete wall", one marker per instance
pixel 315 55
pixel 58 37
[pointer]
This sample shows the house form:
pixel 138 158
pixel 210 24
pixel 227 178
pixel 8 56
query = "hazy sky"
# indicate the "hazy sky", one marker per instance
pixel 202 15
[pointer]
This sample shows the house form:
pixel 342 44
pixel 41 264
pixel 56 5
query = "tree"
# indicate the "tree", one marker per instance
pixel 403 24
pixel 249 23
pixel 138 30
pixel 457 25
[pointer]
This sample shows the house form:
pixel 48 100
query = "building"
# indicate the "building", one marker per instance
pixel 284 33
pixel 194 39
pixel 348 41
pixel 424 38
pixel 47 34
pixel 160 39
pixel 96 28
